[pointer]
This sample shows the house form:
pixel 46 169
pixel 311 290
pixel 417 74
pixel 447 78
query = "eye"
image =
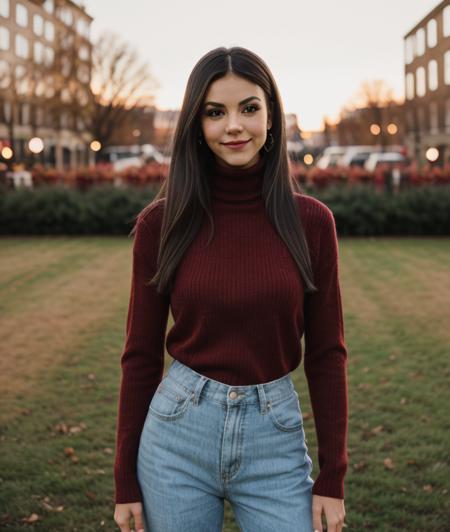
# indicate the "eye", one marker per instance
pixel 210 113
pixel 252 106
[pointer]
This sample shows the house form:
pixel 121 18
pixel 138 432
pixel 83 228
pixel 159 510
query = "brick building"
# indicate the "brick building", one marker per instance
pixel 427 84
pixel 45 63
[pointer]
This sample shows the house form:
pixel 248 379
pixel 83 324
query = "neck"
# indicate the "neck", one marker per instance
pixel 234 184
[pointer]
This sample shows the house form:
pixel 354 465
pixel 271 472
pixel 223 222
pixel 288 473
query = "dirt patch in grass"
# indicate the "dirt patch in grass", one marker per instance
pixel 41 336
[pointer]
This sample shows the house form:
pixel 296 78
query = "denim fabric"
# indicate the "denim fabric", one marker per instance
pixel 204 441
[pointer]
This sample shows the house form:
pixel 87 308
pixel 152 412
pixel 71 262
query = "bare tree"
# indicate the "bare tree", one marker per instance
pixel 119 84
pixel 373 96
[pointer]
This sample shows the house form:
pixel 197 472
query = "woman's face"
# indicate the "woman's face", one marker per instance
pixel 235 109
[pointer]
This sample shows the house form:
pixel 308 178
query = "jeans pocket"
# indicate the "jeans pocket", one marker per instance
pixel 286 414
pixel 170 401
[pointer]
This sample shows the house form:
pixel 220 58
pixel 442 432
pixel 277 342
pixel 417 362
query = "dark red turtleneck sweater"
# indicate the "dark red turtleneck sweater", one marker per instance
pixel 239 312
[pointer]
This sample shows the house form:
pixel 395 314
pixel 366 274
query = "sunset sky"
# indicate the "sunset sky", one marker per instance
pixel 319 52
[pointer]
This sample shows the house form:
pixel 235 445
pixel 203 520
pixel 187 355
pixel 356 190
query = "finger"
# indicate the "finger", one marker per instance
pixel 122 523
pixel 138 521
pixel 317 518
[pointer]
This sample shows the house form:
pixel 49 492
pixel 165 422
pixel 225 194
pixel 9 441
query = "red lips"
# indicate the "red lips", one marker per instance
pixel 236 142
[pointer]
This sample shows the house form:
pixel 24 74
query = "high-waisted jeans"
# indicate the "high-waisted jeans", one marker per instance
pixel 204 441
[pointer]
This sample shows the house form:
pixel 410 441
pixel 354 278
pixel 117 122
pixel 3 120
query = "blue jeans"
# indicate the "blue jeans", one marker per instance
pixel 204 441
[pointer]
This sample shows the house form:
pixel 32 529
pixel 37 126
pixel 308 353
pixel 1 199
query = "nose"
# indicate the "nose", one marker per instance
pixel 233 124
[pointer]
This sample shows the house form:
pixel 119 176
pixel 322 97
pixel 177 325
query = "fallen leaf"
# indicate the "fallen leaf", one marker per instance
pixel 428 488
pixel 377 429
pixel 69 451
pixel 388 463
pixel 360 466
pixel 31 519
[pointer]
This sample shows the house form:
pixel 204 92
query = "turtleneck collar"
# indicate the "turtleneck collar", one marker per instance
pixel 233 184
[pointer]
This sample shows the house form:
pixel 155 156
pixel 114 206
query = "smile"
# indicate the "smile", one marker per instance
pixel 237 145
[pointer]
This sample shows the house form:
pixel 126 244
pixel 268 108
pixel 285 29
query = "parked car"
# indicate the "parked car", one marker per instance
pixel 330 156
pixel 356 155
pixel 122 157
pixel 390 158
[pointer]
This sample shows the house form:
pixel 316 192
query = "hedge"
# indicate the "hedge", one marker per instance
pixel 105 209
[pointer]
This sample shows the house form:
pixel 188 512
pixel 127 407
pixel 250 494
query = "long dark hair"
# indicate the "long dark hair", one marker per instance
pixel 185 190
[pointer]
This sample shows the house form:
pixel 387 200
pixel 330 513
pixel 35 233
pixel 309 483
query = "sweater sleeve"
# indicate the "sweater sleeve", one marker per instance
pixel 142 361
pixel 325 363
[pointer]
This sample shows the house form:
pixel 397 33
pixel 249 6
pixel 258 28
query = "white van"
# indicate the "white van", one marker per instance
pixel 330 156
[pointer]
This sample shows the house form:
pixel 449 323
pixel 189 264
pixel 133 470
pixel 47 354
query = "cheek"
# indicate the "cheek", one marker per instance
pixel 211 131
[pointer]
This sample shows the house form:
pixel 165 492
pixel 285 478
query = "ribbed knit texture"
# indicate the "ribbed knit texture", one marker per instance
pixel 239 312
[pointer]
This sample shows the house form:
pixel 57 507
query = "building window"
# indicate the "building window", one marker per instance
pixel 7 111
pixel 49 6
pixel 4 74
pixel 447 115
pixel 25 112
pixel 38 25
pixel 83 73
pixel 410 120
pixel 432 75
pixel 420 81
pixel 83 27
pixel 434 118
pixel 4 8
pixel 4 38
pixel 21 80
pixel 39 116
pixel 65 95
pixel 409 86
pixel 409 49
pixel 49 31
pixel 66 65
pixel 446 21
pixel 65 15
pixel 38 52
pixel 420 42
pixel 40 88
pixel 84 52
pixel 49 56
pixel 21 46
pixel 21 15
pixel 447 67
pixel 432 33
pixel 421 118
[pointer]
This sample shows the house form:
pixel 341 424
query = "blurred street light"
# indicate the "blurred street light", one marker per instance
pixel 392 128
pixel 308 159
pixel 95 145
pixel 36 145
pixel 432 154
pixel 7 152
pixel 375 129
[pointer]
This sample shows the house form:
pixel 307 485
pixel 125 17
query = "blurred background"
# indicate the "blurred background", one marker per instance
pixel 88 94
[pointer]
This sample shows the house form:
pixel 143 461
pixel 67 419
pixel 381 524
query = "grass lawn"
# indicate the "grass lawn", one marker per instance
pixel 63 304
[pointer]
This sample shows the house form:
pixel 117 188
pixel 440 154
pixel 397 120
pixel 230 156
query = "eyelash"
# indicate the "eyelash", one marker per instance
pixel 208 113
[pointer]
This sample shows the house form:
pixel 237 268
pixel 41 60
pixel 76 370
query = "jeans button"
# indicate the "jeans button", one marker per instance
pixel 233 395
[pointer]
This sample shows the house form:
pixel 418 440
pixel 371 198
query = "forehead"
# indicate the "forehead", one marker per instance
pixel 232 88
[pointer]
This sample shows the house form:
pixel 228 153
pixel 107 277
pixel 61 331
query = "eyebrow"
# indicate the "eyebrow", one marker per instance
pixel 240 103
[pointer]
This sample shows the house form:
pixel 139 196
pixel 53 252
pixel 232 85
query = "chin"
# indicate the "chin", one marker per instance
pixel 239 159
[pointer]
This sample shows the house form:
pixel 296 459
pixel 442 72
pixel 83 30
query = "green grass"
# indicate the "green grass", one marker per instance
pixel 63 324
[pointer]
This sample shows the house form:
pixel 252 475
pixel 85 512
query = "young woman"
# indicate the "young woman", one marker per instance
pixel 248 264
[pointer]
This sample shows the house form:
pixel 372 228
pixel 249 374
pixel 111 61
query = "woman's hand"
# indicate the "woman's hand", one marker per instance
pixel 334 512
pixel 124 512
